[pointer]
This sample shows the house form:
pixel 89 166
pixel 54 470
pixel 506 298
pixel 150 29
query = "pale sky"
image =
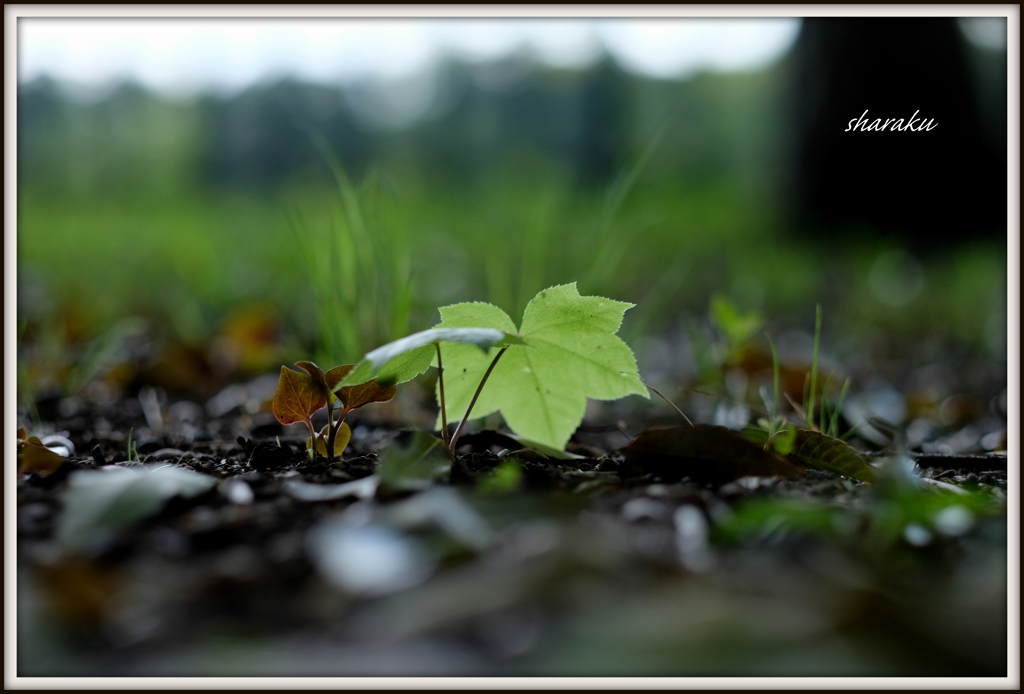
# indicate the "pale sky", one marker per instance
pixel 189 55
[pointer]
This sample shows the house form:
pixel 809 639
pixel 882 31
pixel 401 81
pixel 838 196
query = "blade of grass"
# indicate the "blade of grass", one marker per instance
pixel 776 380
pixel 833 425
pixel 600 265
pixel 809 418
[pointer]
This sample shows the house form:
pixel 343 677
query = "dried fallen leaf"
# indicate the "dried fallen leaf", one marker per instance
pixel 704 453
pixel 35 457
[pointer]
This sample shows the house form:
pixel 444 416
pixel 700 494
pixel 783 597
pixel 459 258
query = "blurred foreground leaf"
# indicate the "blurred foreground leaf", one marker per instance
pixel 101 503
pixel 761 517
pixel 504 479
pixel 415 465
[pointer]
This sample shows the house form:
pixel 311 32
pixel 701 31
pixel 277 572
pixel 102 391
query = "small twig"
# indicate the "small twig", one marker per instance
pixel 660 395
pixel 797 409
pixel 440 387
pixel 479 388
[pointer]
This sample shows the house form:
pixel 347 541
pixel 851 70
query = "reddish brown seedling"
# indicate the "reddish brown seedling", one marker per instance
pixel 299 396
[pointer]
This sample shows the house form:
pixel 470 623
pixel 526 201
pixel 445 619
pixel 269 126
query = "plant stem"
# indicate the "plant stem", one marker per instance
pixel 312 438
pixel 332 435
pixel 775 384
pixel 465 417
pixel 440 387
pixel 833 426
pixel 332 432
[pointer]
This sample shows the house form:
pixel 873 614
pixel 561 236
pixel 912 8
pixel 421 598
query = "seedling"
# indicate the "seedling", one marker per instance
pixel 133 449
pixel 300 395
pixel 564 352
pixel 775 421
pixel 810 394
pixel 816 448
pixel 830 413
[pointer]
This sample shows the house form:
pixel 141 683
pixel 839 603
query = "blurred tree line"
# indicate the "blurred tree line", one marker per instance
pixel 590 123
pixel 777 131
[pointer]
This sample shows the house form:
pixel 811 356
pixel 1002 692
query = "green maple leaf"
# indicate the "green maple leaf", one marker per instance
pixel 541 389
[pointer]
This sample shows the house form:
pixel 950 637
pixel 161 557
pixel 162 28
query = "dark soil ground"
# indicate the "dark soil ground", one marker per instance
pixel 580 567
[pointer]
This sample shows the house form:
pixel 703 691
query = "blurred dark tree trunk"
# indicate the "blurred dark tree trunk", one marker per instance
pixel 929 188
pixel 602 136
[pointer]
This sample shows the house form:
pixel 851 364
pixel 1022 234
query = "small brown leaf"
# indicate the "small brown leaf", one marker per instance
pixel 704 453
pixel 297 397
pixel 33 456
pixel 356 396
pixel 821 452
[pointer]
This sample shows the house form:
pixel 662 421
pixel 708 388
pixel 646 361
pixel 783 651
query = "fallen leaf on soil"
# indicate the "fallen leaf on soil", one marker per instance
pixel 704 453
pixel 821 452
